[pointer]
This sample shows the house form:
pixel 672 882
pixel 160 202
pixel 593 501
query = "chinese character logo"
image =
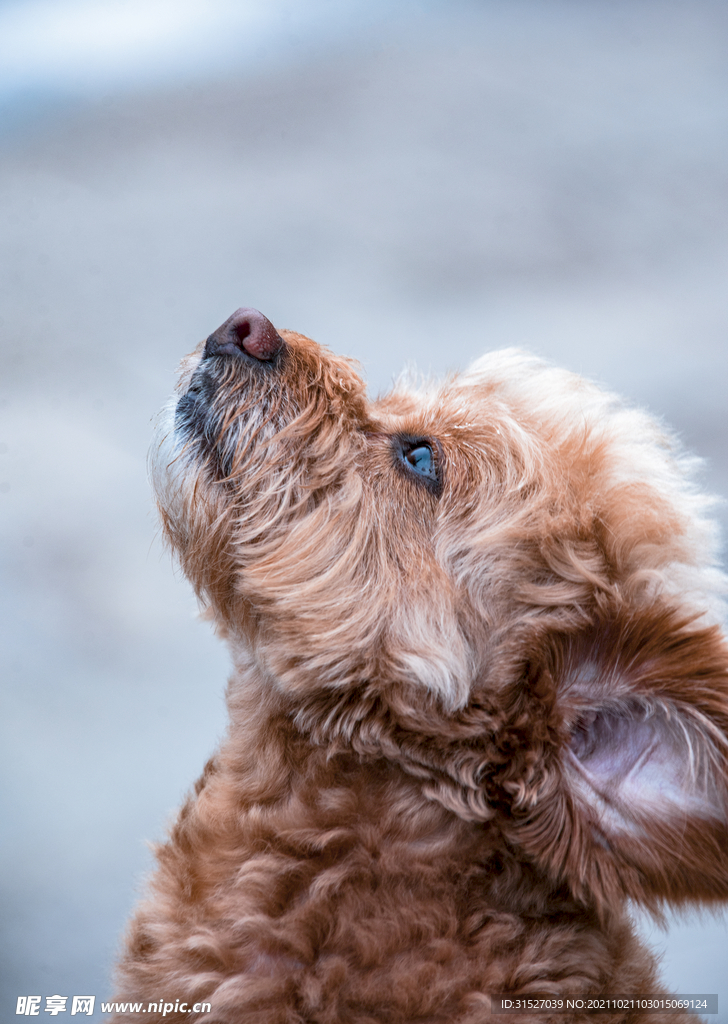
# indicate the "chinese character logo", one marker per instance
pixel 29 1006
pixel 83 1004
pixel 55 1005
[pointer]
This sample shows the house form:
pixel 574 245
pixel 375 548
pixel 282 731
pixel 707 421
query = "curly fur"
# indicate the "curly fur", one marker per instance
pixel 471 716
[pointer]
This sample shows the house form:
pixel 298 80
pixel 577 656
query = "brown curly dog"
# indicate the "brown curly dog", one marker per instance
pixel 479 702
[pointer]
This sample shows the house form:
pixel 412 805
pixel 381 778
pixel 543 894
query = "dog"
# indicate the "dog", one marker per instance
pixel 479 700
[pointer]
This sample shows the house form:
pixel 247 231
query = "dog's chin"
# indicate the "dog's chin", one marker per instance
pixel 169 437
pixel 173 472
pixel 165 453
pixel 174 457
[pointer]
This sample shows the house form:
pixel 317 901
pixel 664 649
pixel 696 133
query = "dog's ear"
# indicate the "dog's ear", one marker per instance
pixel 633 800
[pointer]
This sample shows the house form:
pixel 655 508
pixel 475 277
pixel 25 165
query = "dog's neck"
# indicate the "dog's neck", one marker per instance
pixel 347 771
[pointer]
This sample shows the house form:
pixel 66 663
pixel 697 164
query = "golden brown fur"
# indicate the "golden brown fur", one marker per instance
pixel 473 710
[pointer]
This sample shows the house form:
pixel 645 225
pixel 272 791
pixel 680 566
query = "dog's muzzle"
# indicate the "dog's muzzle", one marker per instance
pixel 243 350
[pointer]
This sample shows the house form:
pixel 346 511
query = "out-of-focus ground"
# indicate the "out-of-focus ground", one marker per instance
pixel 415 186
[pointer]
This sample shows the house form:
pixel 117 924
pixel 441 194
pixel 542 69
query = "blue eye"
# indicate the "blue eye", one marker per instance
pixel 421 460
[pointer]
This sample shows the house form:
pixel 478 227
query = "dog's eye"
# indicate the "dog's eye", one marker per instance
pixel 421 458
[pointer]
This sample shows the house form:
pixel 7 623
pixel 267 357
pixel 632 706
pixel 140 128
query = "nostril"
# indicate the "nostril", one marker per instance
pixel 246 331
pixel 242 330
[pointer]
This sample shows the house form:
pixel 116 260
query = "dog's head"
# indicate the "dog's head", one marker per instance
pixel 501 583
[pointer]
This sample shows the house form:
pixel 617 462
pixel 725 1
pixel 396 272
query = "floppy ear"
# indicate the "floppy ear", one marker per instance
pixel 635 801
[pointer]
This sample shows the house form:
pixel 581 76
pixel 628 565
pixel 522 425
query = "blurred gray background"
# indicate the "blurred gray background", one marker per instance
pixel 406 182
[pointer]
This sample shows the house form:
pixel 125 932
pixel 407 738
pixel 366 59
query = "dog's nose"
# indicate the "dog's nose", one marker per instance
pixel 246 331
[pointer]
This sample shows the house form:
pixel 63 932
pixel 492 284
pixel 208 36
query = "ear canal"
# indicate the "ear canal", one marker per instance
pixel 636 802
